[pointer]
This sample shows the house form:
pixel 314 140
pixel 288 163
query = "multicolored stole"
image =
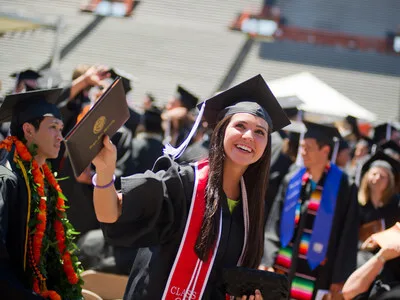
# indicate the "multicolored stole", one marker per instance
pixel 316 232
pixel 189 275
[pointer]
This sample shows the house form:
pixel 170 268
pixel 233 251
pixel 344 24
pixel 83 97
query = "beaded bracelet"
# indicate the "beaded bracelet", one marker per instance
pixel 94 182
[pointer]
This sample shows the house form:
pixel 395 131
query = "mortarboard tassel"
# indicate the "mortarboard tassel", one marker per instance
pixel 177 152
pixel 335 150
pixel 388 131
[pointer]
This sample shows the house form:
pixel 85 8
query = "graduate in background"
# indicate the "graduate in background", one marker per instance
pixel 226 193
pixel 385 132
pixel 36 249
pixel 177 122
pixel 378 198
pixel 311 234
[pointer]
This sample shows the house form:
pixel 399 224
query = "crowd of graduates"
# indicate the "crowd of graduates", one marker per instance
pixel 331 189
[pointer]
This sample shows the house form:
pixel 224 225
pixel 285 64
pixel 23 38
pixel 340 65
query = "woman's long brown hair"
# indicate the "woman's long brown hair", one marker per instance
pixel 256 180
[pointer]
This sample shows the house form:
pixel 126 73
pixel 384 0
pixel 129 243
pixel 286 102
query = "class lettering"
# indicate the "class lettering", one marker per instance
pixel 183 293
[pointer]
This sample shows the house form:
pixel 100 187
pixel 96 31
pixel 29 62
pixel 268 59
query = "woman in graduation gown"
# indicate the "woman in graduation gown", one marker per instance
pixel 379 204
pixel 192 221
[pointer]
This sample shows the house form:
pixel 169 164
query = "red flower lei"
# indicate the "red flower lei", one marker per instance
pixel 35 242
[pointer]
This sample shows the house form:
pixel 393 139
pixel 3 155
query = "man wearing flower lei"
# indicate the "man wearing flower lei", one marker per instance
pixel 37 253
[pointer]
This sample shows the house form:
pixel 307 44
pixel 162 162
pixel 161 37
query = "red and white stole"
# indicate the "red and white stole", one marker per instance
pixel 189 274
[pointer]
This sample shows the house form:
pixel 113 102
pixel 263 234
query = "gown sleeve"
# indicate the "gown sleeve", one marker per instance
pixel 10 286
pixel 154 205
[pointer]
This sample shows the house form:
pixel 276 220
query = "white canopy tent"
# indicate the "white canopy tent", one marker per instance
pixel 320 100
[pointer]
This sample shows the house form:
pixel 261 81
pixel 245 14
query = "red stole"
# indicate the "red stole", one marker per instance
pixel 189 275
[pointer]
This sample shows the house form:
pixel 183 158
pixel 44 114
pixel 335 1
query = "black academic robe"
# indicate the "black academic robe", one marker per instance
pixel 154 213
pixel 146 149
pixel 196 151
pixel 122 140
pixel 390 214
pixel 13 215
pixel 279 169
pixel 342 248
pixel 80 200
pixel 280 164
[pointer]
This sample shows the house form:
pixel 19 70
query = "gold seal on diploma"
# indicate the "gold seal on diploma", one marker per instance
pixel 99 125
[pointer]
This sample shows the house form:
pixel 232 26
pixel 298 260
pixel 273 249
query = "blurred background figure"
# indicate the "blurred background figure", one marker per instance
pixel 177 121
pixel 378 198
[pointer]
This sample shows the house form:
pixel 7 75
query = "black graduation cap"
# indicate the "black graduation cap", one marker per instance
pixel 152 120
pixel 251 96
pixel 30 105
pixel 151 97
pixel 380 159
pixel 382 131
pixel 25 75
pixel 354 124
pixel 126 78
pixel 187 98
pixel 390 146
pixel 321 132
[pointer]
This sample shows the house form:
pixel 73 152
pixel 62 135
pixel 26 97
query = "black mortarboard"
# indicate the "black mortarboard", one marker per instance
pixel 322 133
pixel 354 124
pixel 343 144
pixel 151 97
pixel 240 281
pixel 25 75
pixel 251 96
pixel 50 78
pixel 380 159
pixel 390 146
pixel 30 105
pixel 152 120
pixel 383 131
pixel 126 78
pixel 188 99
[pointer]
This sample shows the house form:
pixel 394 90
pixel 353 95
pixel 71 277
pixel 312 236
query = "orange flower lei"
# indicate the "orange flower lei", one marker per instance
pixel 35 242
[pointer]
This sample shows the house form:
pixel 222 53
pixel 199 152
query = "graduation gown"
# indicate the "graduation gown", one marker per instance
pixel 340 259
pixel 154 213
pixel 196 151
pixel 146 149
pixel 13 214
pixel 280 164
pixel 389 214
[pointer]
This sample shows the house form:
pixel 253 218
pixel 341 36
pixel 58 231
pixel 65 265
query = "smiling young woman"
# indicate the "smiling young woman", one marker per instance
pixel 180 216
